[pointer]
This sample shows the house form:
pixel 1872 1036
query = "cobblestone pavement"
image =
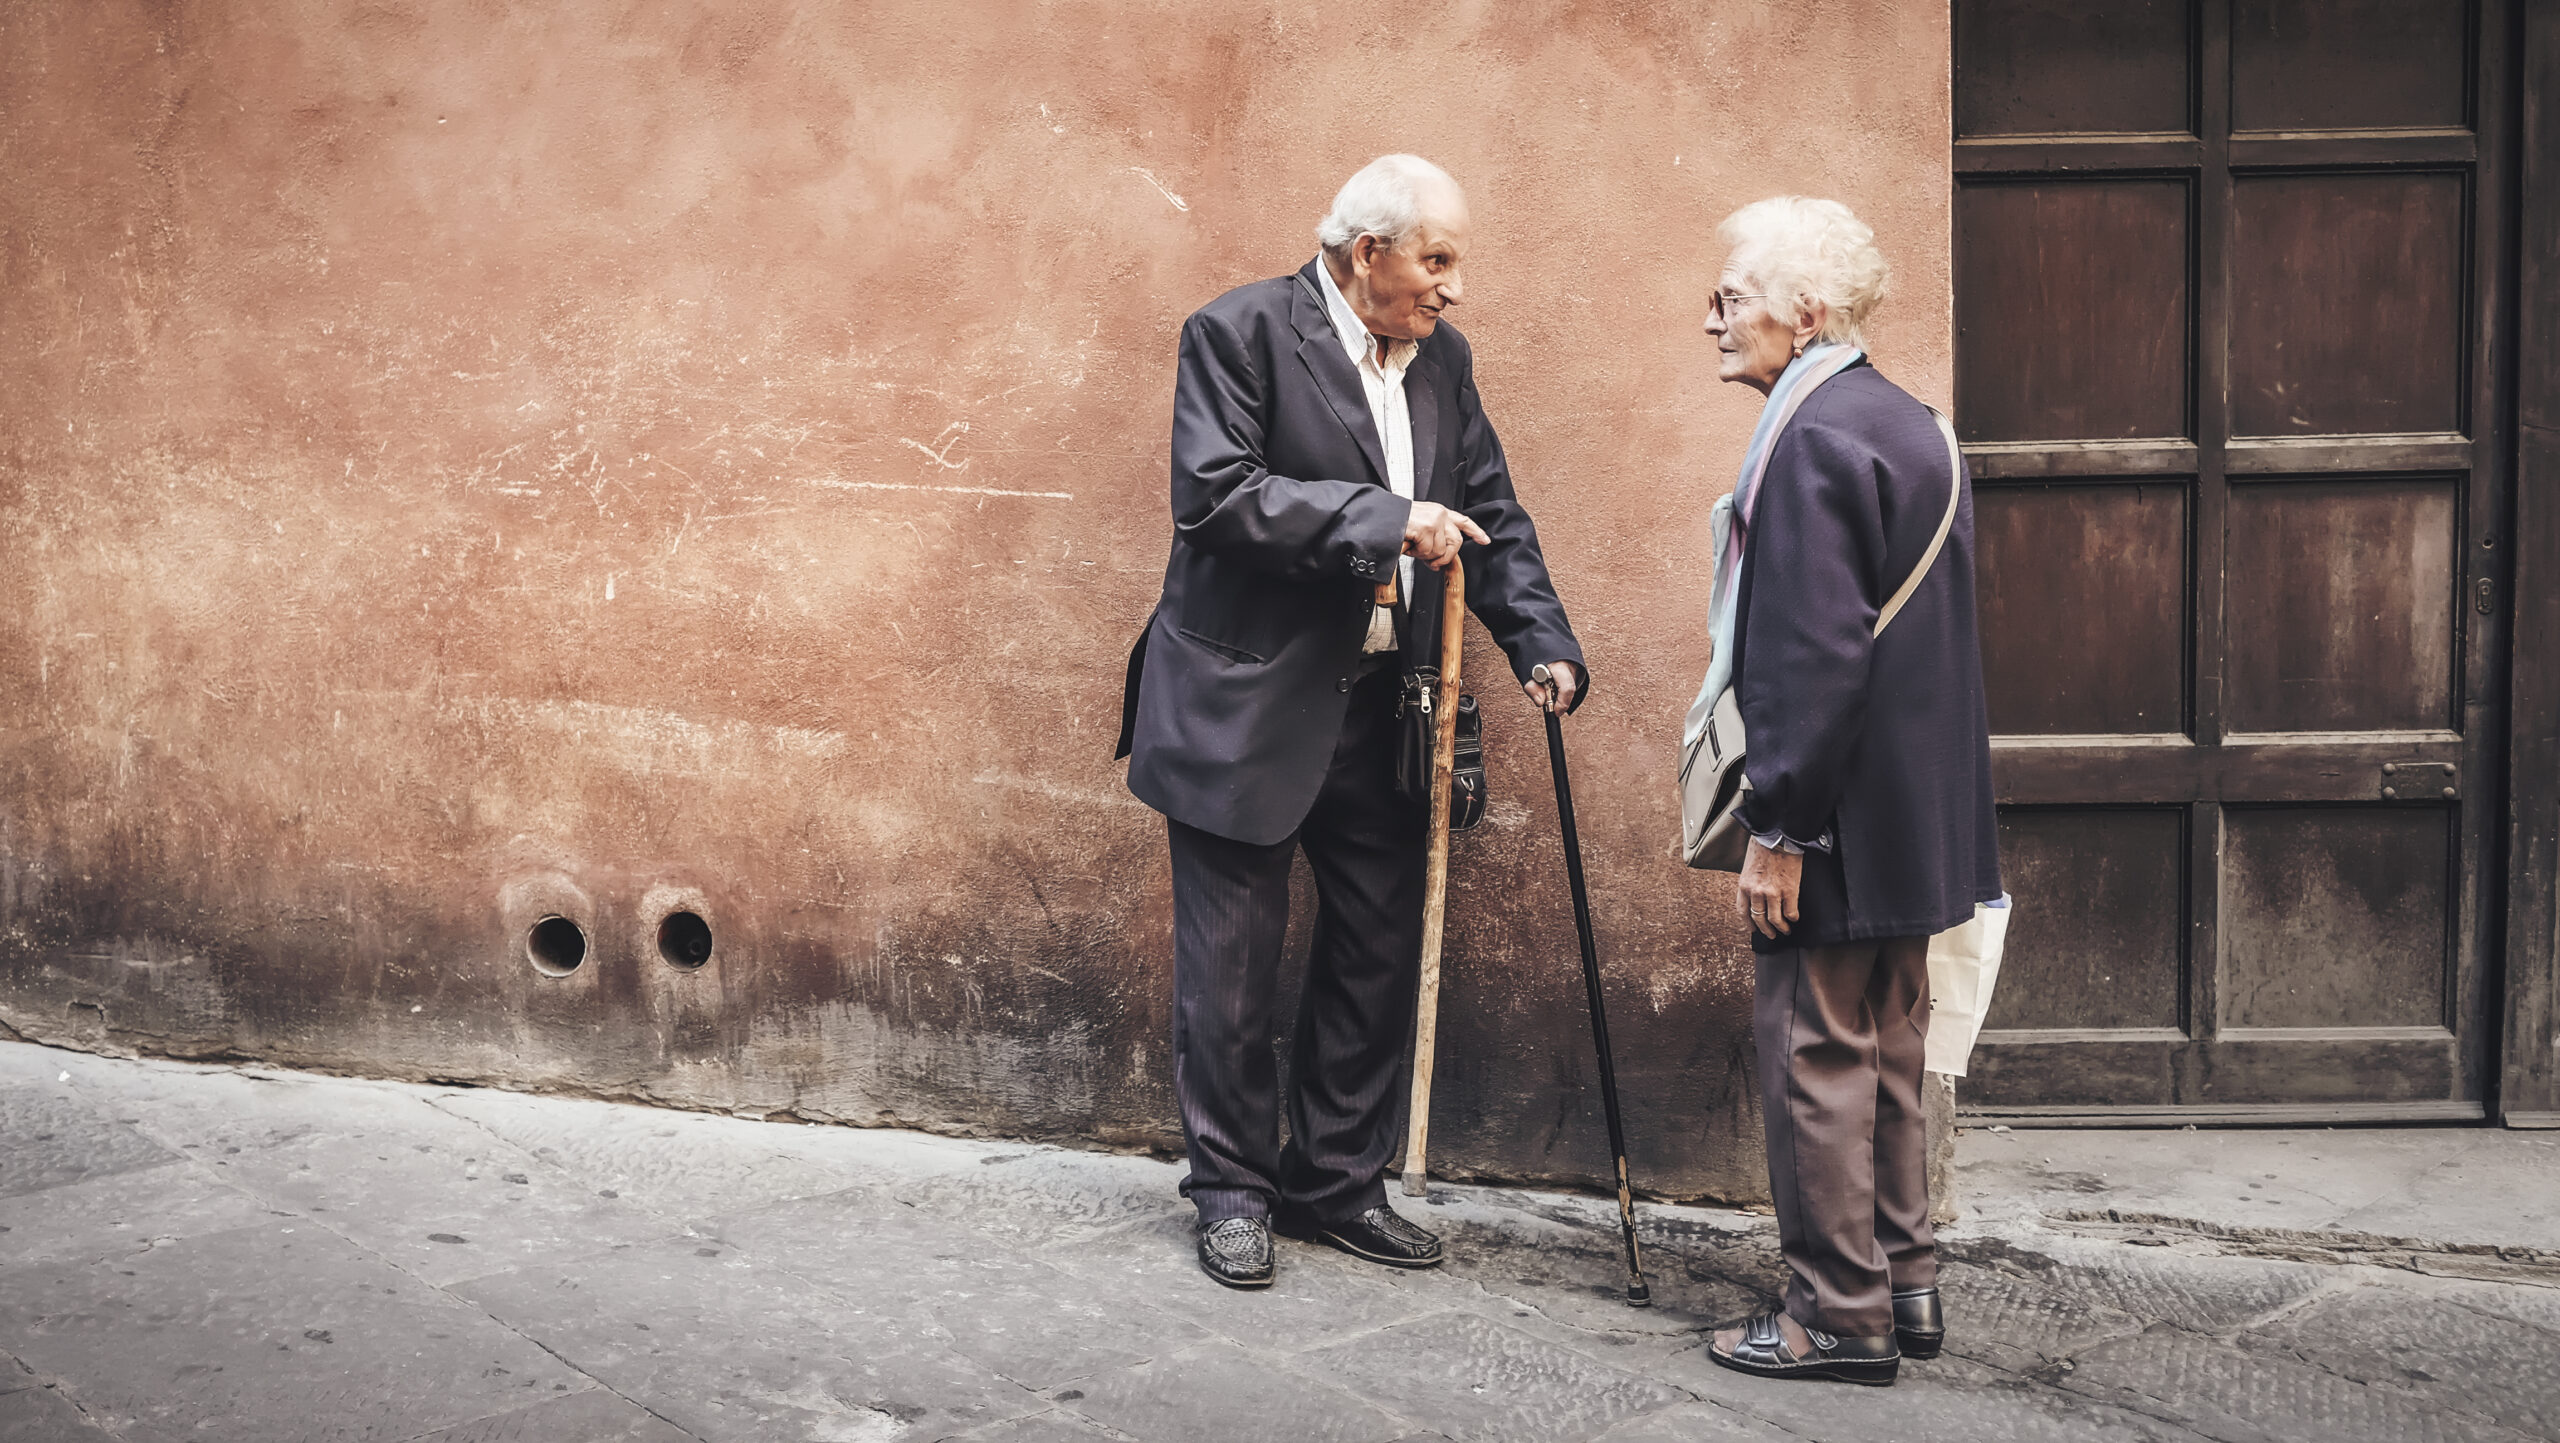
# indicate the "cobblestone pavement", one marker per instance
pixel 223 1253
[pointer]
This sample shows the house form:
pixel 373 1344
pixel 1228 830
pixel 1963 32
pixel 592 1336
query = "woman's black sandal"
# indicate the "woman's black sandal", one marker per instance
pixel 1764 1351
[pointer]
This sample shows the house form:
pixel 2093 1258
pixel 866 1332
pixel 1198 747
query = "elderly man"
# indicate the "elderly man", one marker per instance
pixel 1327 436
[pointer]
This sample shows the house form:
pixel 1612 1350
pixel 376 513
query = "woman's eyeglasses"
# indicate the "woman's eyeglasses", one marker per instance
pixel 1721 304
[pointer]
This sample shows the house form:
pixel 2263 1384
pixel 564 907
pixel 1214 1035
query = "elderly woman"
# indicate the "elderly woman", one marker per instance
pixel 1869 766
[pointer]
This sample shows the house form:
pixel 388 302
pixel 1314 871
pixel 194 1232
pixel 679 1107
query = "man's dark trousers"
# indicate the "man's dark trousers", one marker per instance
pixel 1364 842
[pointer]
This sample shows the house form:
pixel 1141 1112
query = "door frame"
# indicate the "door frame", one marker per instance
pixel 2529 1067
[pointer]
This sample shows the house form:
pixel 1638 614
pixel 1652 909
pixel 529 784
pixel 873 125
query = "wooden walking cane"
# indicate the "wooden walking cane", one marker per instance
pixel 1435 877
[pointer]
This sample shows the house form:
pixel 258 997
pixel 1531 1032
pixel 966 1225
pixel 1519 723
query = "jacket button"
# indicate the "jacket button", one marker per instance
pixel 1342 683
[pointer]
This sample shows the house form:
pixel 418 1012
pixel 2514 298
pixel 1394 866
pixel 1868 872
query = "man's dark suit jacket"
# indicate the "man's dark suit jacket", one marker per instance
pixel 1282 527
pixel 1881 740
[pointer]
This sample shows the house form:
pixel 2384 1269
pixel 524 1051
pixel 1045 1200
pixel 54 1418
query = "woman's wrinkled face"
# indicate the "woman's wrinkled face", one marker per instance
pixel 1754 344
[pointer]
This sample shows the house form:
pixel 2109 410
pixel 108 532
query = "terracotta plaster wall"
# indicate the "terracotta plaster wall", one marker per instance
pixel 463 461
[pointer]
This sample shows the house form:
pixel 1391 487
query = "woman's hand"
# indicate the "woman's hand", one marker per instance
pixel 1767 891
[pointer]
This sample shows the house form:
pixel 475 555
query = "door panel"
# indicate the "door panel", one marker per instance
pixel 2072 307
pixel 2340 605
pixel 2108 924
pixel 2219 381
pixel 2053 66
pixel 2334 917
pixel 2348 64
pixel 2347 304
pixel 2083 606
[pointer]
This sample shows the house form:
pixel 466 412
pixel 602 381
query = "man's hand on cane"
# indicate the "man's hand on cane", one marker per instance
pixel 1433 534
pixel 1767 891
pixel 1552 686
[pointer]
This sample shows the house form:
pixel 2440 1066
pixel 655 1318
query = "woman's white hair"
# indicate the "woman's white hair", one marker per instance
pixel 1799 250
pixel 1383 199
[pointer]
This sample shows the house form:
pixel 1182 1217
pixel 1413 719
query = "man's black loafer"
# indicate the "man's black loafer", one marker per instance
pixel 1237 1251
pixel 1764 1351
pixel 1919 1324
pixel 1382 1235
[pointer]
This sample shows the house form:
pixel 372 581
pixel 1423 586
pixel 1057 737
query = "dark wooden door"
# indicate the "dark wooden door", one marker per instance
pixel 2226 293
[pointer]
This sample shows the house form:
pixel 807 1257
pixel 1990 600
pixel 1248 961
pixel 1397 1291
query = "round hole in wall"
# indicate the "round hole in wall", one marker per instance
pixel 556 945
pixel 684 939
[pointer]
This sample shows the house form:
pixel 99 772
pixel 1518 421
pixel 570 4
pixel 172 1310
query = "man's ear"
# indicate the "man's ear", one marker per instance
pixel 1364 253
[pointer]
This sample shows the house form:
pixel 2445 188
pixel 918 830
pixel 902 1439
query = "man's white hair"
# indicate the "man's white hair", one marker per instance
pixel 1383 199
pixel 1797 249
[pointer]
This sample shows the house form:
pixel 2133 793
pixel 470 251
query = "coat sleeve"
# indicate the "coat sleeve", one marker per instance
pixel 1227 503
pixel 1507 583
pixel 1808 639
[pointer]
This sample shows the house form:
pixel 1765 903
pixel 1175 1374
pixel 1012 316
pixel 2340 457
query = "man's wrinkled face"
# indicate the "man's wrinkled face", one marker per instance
pixel 1401 290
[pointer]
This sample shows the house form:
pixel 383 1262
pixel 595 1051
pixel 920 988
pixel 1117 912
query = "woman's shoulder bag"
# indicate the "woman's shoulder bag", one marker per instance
pixel 1712 785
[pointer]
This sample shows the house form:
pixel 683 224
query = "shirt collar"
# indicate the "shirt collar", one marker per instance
pixel 1355 337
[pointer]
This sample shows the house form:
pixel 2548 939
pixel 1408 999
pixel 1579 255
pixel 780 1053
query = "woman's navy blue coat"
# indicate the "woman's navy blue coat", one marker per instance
pixel 1880 741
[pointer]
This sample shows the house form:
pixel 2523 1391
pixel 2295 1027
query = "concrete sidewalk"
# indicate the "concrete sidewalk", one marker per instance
pixel 214 1253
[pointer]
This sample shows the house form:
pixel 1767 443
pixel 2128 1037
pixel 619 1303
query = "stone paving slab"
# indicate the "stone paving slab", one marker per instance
pixel 2246 1396
pixel 56 1138
pixel 1055 1426
pixel 594 1416
pixel 1220 1389
pixel 2196 1292
pixel 734 1349
pixel 677 1165
pixel 120 1212
pixel 275 1333
pixel 2384 1337
pixel 1029 1197
pixel 1015 1315
pixel 44 1415
pixel 2020 1326
pixel 436 1194
pixel 1471 1377
pixel 1697 1423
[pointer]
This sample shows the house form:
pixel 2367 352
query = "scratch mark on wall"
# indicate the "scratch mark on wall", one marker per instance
pixel 1149 176
pixel 941 455
pixel 835 484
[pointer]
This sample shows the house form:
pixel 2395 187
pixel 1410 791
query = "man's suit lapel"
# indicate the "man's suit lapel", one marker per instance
pixel 1320 349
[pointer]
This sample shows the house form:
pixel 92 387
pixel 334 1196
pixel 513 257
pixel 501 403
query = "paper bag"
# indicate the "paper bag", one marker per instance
pixel 1964 963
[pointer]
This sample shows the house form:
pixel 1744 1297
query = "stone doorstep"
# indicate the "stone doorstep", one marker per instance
pixel 2487 1262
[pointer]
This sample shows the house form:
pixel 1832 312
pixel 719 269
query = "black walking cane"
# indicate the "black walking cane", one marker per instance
pixel 1638 1294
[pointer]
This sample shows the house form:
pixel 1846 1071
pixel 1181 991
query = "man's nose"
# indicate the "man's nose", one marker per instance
pixel 1452 289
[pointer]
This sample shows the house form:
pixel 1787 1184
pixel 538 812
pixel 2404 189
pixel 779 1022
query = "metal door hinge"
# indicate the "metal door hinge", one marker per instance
pixel 2486 588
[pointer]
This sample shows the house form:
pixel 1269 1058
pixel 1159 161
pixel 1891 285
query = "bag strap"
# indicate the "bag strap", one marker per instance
pixel 1946 523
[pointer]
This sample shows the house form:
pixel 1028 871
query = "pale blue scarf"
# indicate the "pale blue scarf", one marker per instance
pixel 1730 521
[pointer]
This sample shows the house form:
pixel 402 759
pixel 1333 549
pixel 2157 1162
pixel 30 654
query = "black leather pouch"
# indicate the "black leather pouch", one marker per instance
pixel 1417 729
pixel 1414 733
pixel 1466 768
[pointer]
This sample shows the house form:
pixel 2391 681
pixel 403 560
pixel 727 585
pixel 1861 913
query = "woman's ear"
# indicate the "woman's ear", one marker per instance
pixel 1811 315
